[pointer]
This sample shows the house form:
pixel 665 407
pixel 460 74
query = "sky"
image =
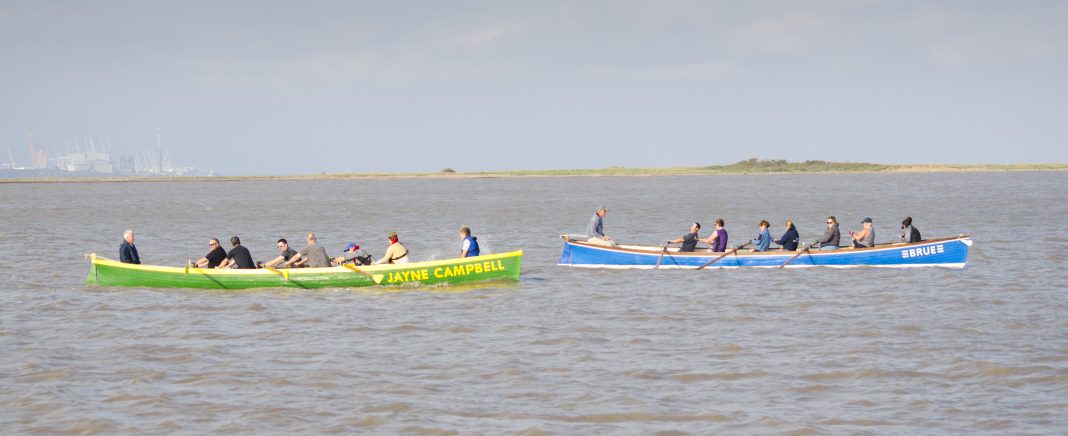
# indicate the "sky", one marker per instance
pixel 269 87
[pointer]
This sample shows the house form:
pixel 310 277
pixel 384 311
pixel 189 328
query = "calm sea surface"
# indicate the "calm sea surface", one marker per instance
pixel 984 349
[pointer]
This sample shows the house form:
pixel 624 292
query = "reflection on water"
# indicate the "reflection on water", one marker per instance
pixel 566 350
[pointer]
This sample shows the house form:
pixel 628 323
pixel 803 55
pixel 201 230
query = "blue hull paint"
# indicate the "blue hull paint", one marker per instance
pixel 949 253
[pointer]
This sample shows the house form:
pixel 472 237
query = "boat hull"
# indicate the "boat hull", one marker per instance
pixel 947 253
pixel 503 266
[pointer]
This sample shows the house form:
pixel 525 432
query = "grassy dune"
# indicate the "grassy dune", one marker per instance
pixel 749 166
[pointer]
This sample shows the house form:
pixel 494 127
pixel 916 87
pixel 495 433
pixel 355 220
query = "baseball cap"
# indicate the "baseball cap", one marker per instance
pixel 351 246
pixel 866 220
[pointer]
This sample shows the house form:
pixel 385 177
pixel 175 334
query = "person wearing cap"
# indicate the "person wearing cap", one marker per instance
pixel 238 257
pixel 470 244
pixel 313 255
pixel 215 256
pixel 831 236
pixel 595 229
pixel 689 240
pixel 353 254
pixel 909 234
pixel 396 253
pixel 866 237
pixel 763 240
pixel 284 254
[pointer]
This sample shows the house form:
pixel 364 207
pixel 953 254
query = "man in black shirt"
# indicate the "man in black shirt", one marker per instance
pixel 238 256
pixel 214 257
pixel 689 240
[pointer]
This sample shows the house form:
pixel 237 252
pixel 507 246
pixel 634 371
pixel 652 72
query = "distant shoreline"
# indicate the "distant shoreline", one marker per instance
pixel 750 167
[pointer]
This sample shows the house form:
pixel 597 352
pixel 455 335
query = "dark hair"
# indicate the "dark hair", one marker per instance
pixel 907 222
pixel 283 240
pixel 697 224
pixel 764 223
pixel 719 222
pixel 465 230
pixel 235 241
pixel 213 239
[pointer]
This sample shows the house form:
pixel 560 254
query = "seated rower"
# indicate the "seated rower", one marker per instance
pixel 689 240
pixel 831 237
pixel 353 254
pixel 313 255
pixel 763 240
pixel 718 239
pixel 238 257
pixel 595 229
pixel 790 238
pixel 127 250
pixel 909 234
pixel 470 244
pixel 396 253
pixel 214 257
pixel 284 254
pixel 866 237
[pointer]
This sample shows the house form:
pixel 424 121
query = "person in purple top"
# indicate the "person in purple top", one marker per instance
pixel 718 238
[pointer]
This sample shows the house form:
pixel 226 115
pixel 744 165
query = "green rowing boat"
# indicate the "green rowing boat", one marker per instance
pixel 503 266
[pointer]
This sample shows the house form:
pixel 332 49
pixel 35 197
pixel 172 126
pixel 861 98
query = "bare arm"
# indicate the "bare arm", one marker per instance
pixel 293 260
pixel 275 261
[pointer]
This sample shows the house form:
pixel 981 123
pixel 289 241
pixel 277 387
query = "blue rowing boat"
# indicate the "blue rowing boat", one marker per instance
pixel 945 252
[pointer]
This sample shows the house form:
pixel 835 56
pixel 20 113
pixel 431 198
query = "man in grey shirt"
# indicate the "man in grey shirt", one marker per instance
pixel 313 256
pixel 595 229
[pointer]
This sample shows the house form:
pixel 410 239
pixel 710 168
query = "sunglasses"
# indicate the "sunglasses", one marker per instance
pixel 830 222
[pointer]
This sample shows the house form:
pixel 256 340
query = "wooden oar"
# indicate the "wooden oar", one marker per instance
pixel 796 256
pixel 661 256
pixel 376 277
pixel 724 255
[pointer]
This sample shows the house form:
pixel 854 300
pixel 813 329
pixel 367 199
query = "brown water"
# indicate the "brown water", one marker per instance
pixel 984 349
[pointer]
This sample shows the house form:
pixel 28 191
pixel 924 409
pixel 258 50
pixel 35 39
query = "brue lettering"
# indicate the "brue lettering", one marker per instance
pixel 923 251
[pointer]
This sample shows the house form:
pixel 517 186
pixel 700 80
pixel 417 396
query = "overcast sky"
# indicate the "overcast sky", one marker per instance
pixel 266 87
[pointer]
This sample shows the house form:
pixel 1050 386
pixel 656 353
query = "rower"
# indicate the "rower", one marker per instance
pixel 215 256
pixel 313 255
pixel 353 254
pixel 284 254
pixel 396 253
pixel 470 245
pixel 718 238
pixel 689 240
pixel 238 256
pixel 127 250
pixel 909 233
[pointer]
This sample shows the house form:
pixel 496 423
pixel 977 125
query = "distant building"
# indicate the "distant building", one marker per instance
pixel 92 162
pixel 127 165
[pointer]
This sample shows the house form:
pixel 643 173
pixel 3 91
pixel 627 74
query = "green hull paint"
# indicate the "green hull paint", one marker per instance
pixel 504 266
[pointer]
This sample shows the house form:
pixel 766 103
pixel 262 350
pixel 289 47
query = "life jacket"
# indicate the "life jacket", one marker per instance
pixel 472 248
